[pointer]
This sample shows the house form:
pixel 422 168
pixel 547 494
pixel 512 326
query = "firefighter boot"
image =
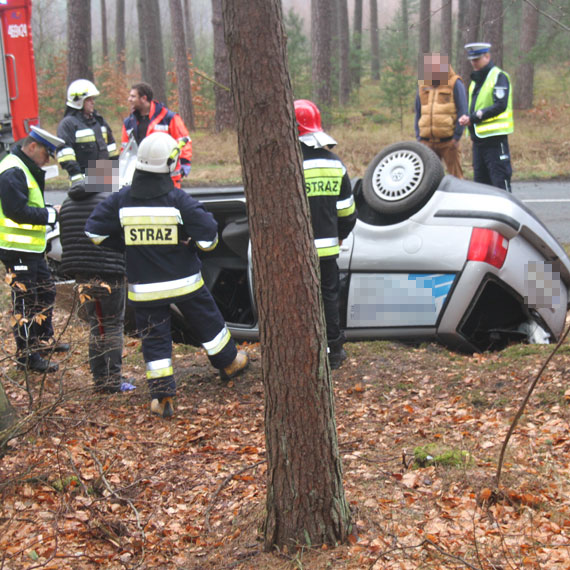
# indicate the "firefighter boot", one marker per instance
pixel 163 408
pixel 336 357
pixel 35 363
pixel 239 364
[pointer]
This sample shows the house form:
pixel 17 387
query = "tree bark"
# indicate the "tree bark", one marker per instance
pixel 524 84
pixel 305 497
pixel 344 48
pixel 7 413
pixel 405 26
pixel 493 28
pixel 225 116
pixel 356 66
pixel 374 42
pixel 471 35
pixel 151 46
pixel 185 106
pixel 120 44
pixel 105 44
pixel 321 46
pixel 79 54
pixel 189 22
pixel 460 36
pixel 425 23
pixel 447 28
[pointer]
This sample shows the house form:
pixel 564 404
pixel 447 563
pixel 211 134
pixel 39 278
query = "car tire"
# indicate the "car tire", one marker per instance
pixel 401 179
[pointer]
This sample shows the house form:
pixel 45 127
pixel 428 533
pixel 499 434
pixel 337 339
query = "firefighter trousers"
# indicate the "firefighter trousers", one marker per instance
pixel 202 317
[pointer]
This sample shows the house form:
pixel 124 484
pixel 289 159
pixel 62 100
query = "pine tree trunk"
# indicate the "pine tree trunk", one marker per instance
pixel 524 76
pixel 305 497
pixel 321 48
pixel 142 18
pixel 405 26
pixel 425 23
pixel 188 20
pixel 79 54
pixel 374 43
pixel 120 53
pixel 344 44
pixel 460 36
pixel 446 29
pixel 471 35
pixel 185 106
pixel 225 117
pixel 105 44
pixel 493 28
pixel 356 65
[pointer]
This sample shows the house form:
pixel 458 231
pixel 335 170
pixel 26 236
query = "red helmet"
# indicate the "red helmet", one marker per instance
pixel 308 117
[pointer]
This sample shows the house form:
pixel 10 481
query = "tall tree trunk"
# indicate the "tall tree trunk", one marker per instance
pixel 344 45
pixel 305 498
pixel 79 54
pixel 189 22
pixel 425 23
pixel 356 66
pixel 104 41
pixel 151 37
pixel 120 37
pixel 321 46
pixel 471 35
pixel 185 106
pixel 225 116
pixel 374 43
pixel 143 58
pixel 446 29
pixel 405 26
pixel 524 84
pixel 493 28
pixel 460 36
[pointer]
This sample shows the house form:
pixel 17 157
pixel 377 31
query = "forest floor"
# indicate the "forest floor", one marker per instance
pixel 97 482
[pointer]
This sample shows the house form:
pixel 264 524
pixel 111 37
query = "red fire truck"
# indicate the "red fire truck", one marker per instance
pixel 18 88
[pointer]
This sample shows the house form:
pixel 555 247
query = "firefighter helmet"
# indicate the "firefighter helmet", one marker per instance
pixel 78 91
pixel 308 117
pixel 158 153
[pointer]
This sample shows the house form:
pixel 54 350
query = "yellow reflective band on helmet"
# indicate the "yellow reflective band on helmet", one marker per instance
pixel 217 344
pixel 159 369
pixel 345 207
pixel 144 292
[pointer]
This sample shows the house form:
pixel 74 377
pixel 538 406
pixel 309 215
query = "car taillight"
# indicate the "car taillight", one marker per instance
pixel 488 246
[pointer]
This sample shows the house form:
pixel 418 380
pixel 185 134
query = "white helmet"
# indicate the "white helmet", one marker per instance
pixel 78 91
pixel 158 153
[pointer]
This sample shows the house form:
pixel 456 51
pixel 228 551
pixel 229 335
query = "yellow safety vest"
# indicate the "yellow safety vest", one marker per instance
pixel 22 237
pixel 501 124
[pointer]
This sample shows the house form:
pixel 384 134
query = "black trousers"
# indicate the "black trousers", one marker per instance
pixel 330 288
pixel 33 298
pixel 492 162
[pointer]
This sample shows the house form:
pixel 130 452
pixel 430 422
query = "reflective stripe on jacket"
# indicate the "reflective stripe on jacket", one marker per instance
pixel 22 237
pixel 501 124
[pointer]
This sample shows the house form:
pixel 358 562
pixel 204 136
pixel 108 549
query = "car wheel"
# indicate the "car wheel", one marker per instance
pixel 401 179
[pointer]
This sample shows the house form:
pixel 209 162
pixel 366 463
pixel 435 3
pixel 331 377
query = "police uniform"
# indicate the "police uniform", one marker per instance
pixel 491 117
pixel 159 120
pixel 160 226
pixel 24 217
pixel 87 139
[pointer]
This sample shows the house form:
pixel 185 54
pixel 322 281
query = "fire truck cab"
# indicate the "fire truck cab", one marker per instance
pixel 18 89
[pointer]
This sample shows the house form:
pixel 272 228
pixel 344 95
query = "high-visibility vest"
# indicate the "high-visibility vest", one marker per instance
pixel 501 124
pixel 22 237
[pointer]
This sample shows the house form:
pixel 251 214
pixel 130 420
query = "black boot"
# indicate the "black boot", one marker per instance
pixel 35 363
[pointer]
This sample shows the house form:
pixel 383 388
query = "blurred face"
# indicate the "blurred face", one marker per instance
pixel 138 103
pixel 89 105
pixel 480 62
pixel 436 68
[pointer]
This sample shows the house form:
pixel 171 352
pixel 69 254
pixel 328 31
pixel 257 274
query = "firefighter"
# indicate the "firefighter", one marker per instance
pixel 24 218
pixel 149 116
pixel 333 214
pixel 489 118
pixel 161 226
pixel 87 135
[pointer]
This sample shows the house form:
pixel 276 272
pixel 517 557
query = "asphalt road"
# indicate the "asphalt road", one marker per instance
pixel 550 201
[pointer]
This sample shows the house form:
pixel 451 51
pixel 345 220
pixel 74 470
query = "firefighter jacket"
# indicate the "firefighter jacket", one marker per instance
pixel 87 139
pixel 160 227
pixel 81 257
pixel 437 109
pixel 160 119
pixel 333 211
pixel 23 214
pixel 490 103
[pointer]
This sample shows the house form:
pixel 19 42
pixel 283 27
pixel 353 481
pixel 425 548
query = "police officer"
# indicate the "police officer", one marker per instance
pixel 24 218
pixel 490 118
pixel 87 135
pixel 333 214
pixel 149 116
pixel 161 226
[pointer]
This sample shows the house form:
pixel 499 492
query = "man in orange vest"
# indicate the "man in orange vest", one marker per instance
pixel 149 116
pixel 440 101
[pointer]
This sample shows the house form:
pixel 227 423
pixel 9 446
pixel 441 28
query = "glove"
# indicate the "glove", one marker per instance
pixel 185 169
